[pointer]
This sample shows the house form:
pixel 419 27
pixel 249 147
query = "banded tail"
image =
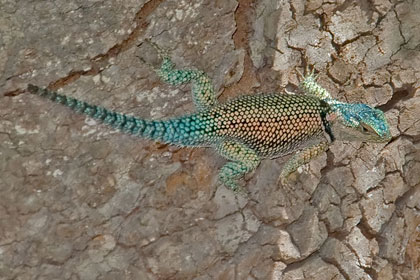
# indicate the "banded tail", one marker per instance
pixel 180 131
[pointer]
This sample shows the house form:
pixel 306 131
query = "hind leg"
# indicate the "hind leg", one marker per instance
pixel 202 87
pixel 242 160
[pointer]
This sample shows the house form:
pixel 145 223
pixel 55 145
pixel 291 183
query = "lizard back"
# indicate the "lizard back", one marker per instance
pixel 271 124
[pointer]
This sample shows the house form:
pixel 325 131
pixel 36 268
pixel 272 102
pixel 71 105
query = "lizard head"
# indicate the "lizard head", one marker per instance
pixel 359 122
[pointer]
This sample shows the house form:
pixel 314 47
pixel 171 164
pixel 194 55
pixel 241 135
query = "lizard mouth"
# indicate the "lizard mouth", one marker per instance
pixel 381 139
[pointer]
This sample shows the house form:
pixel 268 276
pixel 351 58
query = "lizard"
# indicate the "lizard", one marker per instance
pixel 249 128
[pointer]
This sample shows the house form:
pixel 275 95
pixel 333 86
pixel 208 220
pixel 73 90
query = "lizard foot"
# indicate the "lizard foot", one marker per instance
pixel 151 54
pixel 309 74
pixel 235 186
pixel 288 179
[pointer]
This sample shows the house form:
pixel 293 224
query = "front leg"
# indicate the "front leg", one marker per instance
pixel 311 87
pixel 243 160
pixel 300 158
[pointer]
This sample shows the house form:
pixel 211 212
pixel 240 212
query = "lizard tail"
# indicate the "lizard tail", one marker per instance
pixel 174 131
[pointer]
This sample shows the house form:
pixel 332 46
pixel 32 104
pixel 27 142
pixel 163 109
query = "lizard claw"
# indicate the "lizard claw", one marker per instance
pixel 151 54
pixel 287 180
pixel 284 178
pixel 144 61
pixel 300 75
pixel 162 53
pixel 241 192
pixel 310 73
pixel 235 187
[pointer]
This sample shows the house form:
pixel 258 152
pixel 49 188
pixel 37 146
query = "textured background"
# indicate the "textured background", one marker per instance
pixel 81 201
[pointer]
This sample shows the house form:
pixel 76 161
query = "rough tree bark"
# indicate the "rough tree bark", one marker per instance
pixel 81 201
